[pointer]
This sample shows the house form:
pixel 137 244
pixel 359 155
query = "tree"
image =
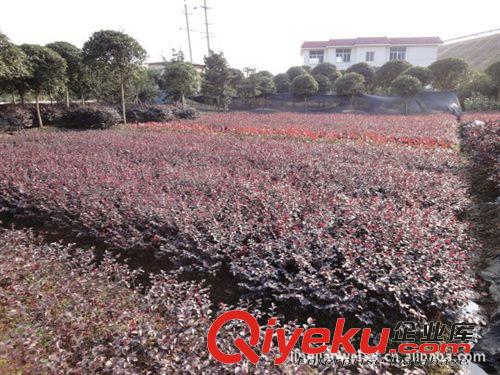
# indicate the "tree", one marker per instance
pixel 282 83
pixel 365 70
pixel 350 84
pixel 48 72
pixel 449 73
pixel 494 72
pixel 294 72
pixel 389 72
pixel 407 87
pixel 307 68
pixel 304 86
pixel 215 86
pixel 13 65
pixel 328 70
pixel 180 79
pixel 423 74
pixel 74 62
pixel 117 55
pixel 256 85
pixel 12 59
pixel 144 86
pixel 236 78
pixel 479 83
pixel 324 84
pixel 266 86
pixel 264 73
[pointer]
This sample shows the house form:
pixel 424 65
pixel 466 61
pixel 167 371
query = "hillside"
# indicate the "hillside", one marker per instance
pixel 478 52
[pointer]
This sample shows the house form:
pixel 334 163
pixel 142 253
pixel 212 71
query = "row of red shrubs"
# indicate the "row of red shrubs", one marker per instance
pixel 14 118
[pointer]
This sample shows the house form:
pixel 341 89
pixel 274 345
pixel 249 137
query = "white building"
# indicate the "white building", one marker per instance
pixel 420 51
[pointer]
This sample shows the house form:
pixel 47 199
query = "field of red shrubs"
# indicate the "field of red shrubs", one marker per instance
pixel 373 231
pixel 422 131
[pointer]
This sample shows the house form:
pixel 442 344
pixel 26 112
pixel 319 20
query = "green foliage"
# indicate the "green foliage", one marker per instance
pixel 423 74
pixel 324 84
pixel 365 70
pixel 48 69
pixel 294 72
pixel 480 83
pixel 264 73
pixel 282 82
pixel 494 72
pixel 115 52
pixel 389 72
pixel 449 73
pixel 304 85
pixel 307 68
pixel 114 57
pixel 406 86
pixel 144 86
pixel 180 79
pixel 257 84
pixel 78 78
pixel 328 70
pixel 12 61
pixel 350 84
pixel 479 102
pixel 236 78
pixel 216 81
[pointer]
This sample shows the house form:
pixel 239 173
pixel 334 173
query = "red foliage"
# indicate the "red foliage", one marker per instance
pixel 365 231
pixel 422 131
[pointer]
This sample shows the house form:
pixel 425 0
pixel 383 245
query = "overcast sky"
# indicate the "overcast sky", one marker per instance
pixel 265 34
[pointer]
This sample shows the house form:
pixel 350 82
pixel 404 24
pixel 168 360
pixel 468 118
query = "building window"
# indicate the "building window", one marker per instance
pixel 343 54
pixel 397 53
pixel 370 56
pixel 316 57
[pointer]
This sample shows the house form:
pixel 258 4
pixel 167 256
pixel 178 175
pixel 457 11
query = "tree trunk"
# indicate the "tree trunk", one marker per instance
pixel 51 99
pixel 38 115
pixel 305 101
pixel 83 101
pixel 23 99
pixel 183 100
pixel 122 91
pixel 13 99
pixel 67 98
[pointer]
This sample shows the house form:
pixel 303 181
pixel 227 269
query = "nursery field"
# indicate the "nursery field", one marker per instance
pixel 359 216
pixel 321 216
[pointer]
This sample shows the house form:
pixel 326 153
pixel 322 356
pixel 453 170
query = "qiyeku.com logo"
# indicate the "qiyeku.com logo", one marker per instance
pixel 403 339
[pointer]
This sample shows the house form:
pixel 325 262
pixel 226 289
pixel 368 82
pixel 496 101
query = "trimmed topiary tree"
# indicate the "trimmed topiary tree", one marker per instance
pixel 366 71
pixel 350 84
pixel 48 72
pixel 74 63
pixel 389 72
pixel 294 72
pixel 304 86
pixel 324 84
pixel 423 74
pixel 407 87
pixel 116 56
pixel 282 83
pixel 449 73
pixel 328 70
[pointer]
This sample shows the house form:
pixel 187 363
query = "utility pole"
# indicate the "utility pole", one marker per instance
pixel 205 8
pixel 188 32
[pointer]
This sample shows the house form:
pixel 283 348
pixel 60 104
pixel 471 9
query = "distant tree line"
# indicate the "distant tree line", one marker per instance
pixel 110 68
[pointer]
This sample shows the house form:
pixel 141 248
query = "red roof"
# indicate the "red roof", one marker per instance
pixel 372 41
